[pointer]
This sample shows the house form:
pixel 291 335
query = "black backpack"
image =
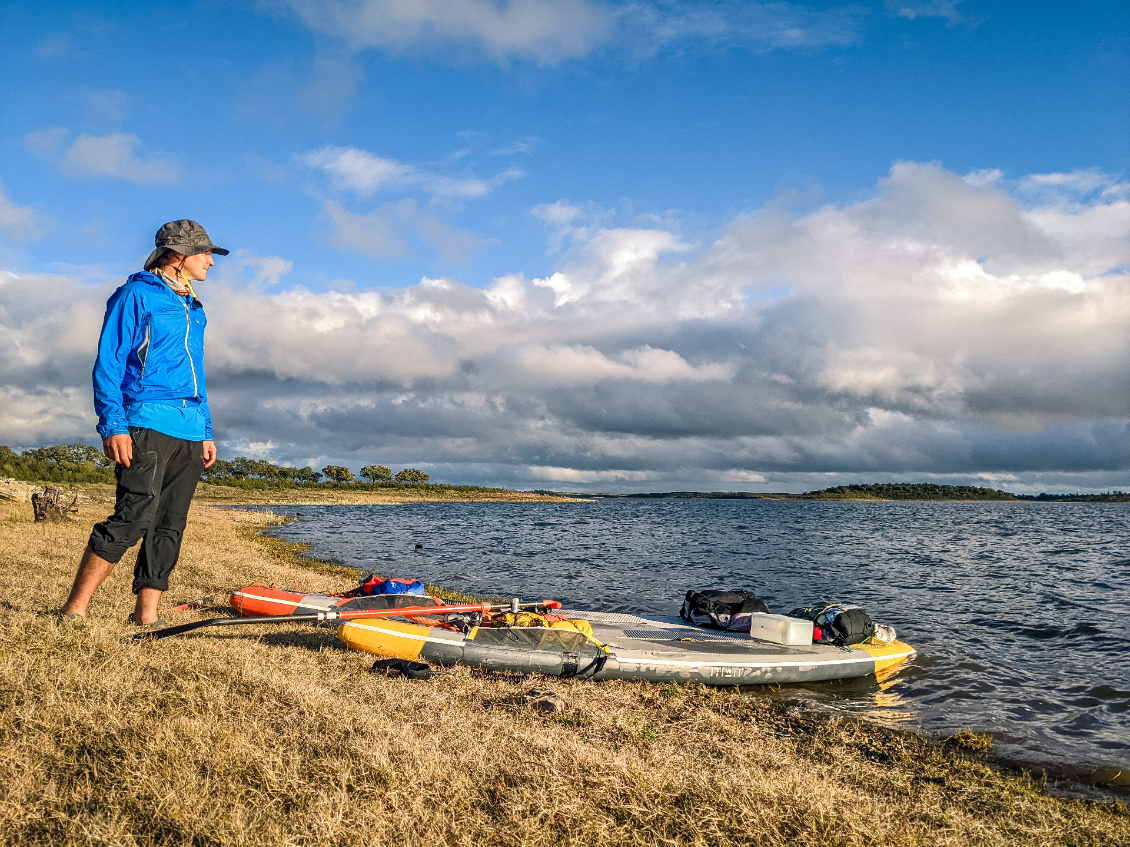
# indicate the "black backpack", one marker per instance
pixel 722 609
pixel 837 624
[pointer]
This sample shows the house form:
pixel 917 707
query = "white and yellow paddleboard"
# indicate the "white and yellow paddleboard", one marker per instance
pixel 624 647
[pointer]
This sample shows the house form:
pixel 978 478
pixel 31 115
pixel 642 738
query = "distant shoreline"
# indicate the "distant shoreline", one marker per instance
pixel 744 495
pixel 261 491
pixel 879 492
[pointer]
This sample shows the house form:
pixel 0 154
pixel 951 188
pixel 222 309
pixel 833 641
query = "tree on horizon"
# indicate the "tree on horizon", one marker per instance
pixel 338 473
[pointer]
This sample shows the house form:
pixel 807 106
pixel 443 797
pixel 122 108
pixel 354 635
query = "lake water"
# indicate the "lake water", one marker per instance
pixel 1019 611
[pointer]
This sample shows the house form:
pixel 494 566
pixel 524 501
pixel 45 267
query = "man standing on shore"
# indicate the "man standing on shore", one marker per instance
pixel 153 417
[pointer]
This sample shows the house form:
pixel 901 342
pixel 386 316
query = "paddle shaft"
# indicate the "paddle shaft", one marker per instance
pixel 191 604
pixel 334 615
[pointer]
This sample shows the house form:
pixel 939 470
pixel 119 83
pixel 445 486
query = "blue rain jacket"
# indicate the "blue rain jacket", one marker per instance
pixel 150 366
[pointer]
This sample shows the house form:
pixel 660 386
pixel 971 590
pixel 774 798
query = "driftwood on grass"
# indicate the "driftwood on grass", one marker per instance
pixel 50 506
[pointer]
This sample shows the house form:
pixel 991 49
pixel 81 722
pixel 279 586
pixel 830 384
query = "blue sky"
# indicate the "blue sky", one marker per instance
pixel 594 245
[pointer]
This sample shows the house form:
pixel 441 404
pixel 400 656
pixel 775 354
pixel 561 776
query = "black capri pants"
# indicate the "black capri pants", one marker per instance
pixel 153 497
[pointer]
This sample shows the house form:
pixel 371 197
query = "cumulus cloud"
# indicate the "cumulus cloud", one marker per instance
pixel 113 156
pixel 944 329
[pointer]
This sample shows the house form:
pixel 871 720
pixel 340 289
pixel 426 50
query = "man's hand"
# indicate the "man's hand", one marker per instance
pixel 119 448
pixel 209 453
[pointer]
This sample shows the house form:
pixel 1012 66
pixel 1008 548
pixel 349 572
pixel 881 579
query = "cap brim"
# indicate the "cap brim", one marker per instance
pixel 200 248
pixel 151 262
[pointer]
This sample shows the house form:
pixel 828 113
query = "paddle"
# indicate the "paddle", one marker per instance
pixel 191 604
pixel 333 615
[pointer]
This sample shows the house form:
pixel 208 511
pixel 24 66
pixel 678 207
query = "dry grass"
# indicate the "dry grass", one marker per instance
pixel 282 737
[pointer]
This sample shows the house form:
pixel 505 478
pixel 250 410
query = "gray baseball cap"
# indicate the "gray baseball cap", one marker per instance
pixel 185 237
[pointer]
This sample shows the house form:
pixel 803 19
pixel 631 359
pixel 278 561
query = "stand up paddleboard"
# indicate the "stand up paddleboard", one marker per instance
pixel 657 649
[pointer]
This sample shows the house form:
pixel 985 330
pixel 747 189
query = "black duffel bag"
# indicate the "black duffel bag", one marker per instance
pixel 722 609
pixel 837 624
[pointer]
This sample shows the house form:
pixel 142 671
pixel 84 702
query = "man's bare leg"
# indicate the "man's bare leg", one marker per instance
pixel 92 570
pixel 146 609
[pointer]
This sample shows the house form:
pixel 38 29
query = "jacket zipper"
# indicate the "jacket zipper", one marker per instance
pixel 144 348
pixel 187 329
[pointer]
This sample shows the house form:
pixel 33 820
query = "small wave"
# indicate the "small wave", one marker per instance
pixel 1080 630
pixel 1084 629
pixel 1105 692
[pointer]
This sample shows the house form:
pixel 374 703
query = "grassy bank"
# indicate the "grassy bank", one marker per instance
pixel 282 737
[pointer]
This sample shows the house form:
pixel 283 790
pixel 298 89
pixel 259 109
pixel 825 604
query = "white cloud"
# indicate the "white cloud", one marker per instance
pixel 573 222
pixel 518 145
pixel 574 476
pixel 648 28
pixel 397 228
pixel 549 31
pixel 738 476
pixel 941 329
pixel 618 265
pixel 559 215
pixel 364 174
pixel 244 267
pixel 543 31
pixel 358 171
pixel 113 156
pixel 580 364
pixel 913 9
pixel 1071 188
